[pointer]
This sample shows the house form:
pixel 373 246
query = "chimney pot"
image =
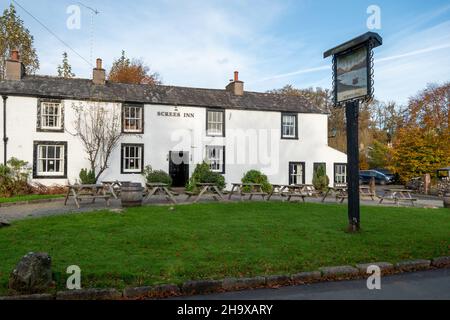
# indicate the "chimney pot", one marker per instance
pixel 15 56
pixel 236 86
pixel 99 63
pixel 15 69
pixel 99 74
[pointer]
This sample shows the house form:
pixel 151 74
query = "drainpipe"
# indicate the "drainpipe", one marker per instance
pixel 5 138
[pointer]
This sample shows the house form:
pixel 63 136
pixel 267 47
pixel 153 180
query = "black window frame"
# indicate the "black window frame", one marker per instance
pixel 134 105
pixel 296 125
pixel 122 169
pixel 223 126
pixel 224 156
pixel 303 164
pixel 36 144
pixel 39 112
pixel 315 164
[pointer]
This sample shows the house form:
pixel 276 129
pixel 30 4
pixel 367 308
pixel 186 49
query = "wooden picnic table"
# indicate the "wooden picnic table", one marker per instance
pixel 153 189
pixel 81 192
pixel 365 191
pixel 309 190
pixel 339 191
pixel 114 187
pixel 255 190
pixel 277 189
pixel 206 189
pixel 397 195
pixel 294 191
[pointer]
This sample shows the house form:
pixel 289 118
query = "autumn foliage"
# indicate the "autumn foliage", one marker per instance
pixel 422 143
pixel 133 71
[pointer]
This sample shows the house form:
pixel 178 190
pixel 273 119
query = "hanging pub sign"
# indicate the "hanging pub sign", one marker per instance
pixel 353 68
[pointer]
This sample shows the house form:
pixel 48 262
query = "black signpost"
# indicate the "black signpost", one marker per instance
pixel 352 84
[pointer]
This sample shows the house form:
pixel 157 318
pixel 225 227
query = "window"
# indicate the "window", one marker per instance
pixel 50 159
pixel 340 173
pixel 132 158
pixel 50 115
pixel 289 126
pixel 321 165
pixel 133 119
pixel 215 156
pixel 215 123
pixel 296 173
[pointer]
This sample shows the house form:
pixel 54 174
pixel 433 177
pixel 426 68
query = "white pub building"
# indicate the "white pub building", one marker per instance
pixel 169 128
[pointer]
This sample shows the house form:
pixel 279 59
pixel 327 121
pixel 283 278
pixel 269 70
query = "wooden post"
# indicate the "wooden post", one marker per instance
pixel 352 115
pixel 426 183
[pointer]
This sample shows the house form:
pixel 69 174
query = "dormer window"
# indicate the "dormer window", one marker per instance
pixel 50 116
pixel 133 118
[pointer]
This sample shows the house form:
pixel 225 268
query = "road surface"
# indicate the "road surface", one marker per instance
pixel 426 285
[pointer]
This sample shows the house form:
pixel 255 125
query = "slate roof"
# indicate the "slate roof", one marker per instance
pixel 84 89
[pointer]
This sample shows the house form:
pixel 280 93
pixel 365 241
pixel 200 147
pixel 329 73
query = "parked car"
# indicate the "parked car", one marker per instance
pixel 394 176
pixel 380 178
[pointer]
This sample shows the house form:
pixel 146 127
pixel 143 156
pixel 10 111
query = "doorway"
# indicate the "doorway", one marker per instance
pixel 179 168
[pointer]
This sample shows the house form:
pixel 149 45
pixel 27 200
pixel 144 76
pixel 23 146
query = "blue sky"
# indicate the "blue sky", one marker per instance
pixel 272 43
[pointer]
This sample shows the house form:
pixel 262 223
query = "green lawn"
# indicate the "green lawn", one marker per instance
pixel 151 245
pixel 30 197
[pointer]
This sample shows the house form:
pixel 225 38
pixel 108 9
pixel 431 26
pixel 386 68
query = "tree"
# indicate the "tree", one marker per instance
pixel 14 36
pixel 65 69
pixel 133 71
pixel 378 155
pixel 422 143
pixel 99 129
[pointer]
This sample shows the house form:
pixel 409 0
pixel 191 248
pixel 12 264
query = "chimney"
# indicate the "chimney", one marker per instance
pixel 15 70
pixel 99 75
pixel 236 87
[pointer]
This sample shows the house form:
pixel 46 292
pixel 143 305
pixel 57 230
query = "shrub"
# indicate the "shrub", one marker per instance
pixel 87 177
pixel 320 179
pixel 14 178
pixel 203 174
pixel 156 176
pixel 255 176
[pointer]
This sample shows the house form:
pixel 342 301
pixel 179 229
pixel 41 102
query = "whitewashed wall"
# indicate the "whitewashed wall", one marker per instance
pixel 164 134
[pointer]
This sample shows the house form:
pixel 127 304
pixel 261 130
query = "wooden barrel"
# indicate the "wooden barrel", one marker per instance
pixel 131 194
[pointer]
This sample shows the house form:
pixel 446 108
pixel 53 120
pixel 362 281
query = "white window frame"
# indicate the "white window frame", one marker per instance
pixel 137 158
pixel 340 175
pixel 41 157
pixel 215 157
pixel 215 123
pixel 45 115
pixel 133 113
pixel 298 176
pixel 289 128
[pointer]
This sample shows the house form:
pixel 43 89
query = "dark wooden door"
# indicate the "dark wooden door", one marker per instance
pixel 179 168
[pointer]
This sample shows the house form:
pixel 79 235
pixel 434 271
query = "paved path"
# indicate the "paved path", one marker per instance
pixel 425 285
pixel 19 212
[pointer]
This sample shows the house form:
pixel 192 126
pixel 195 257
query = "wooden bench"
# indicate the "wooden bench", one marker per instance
pixel 191 194
pixel 251 194
pixel 291 195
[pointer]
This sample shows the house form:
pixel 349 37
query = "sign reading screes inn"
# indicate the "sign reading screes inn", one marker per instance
pixel 176 114
pixel 353 69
